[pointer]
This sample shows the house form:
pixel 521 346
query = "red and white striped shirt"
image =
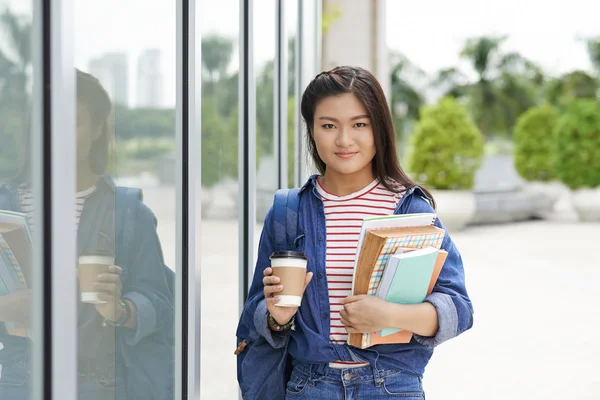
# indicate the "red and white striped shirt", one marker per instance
pixel 344 216
pixel 26 198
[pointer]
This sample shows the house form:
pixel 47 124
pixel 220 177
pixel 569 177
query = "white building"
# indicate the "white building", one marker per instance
pixel 112 70
pixel 356 36
pixel 150 79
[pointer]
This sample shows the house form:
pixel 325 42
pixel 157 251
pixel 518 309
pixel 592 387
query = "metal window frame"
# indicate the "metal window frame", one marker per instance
pixel 308 64
pixel 246 149
pixel 55 177
pixel 187 298
pixel 280 95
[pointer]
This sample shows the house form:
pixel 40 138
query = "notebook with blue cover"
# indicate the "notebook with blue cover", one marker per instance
pixel 406 278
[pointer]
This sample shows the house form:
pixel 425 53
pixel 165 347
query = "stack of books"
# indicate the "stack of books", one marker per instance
pixel 15 258
pixel 399 259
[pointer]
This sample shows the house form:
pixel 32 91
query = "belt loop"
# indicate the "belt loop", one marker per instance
pixel 378 380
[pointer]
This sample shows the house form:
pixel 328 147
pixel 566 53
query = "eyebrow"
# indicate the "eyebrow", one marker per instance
pixel 352 119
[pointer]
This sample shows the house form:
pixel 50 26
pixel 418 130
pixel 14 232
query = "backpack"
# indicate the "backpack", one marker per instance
pixel 127 202
pixel 264 371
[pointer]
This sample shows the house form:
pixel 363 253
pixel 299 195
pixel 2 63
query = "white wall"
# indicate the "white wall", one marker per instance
pixel 357 38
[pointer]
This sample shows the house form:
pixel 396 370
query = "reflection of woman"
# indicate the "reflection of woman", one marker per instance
pixel 351 140
pixel 125 345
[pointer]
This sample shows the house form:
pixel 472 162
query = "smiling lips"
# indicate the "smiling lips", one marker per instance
pixel 345 154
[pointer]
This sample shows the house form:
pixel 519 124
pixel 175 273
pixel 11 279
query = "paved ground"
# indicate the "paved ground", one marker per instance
pixel 534 287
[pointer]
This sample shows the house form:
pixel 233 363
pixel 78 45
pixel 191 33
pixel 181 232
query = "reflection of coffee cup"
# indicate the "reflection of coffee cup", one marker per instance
pixel 91 264
pixel 290 268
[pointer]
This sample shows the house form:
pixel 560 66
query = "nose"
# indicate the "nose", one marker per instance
pixel 343 138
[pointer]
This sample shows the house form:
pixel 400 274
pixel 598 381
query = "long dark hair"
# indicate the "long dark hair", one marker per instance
pixel 367 89
pixel 91 92
pixel 97 100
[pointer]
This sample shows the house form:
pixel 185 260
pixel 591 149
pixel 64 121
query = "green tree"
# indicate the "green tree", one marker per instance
pixel 577 144
pixel 447 147
pixel 507 84
pixel 15 61
pixel 219 144
pixel 593 49
pixel 534 143
pixel 570 86
pixel 406 99
pixel 141 122
pixel 217 52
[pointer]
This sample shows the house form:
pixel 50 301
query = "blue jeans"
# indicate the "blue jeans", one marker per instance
pixel 89 389
pixel 325 383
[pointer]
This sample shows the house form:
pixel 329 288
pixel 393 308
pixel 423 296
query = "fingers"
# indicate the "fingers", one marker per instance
pixel 268 271
pixel 109 298
pixel 109 288
pixel 271 289
pixel 351 299
pixel 110 278
pixel 271 301
pixel 271 280
pixel 115 269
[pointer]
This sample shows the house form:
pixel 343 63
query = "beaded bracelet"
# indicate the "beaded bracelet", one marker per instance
pixel 275 326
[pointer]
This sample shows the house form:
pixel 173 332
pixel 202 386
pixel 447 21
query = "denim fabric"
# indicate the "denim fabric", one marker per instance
pixel 144 355
pixel 89 388
pixel 324 383
pixel 309 343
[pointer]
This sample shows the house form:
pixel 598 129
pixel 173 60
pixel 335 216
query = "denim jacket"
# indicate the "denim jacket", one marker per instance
pixel 309 342
pixel 143 355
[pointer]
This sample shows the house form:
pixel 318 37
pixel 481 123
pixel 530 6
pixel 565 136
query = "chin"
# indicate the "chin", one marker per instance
pixel 347 169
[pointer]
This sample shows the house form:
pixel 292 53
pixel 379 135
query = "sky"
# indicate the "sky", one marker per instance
pixel 429 32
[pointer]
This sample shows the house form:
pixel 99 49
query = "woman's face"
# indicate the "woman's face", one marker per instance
pixel 86 132
pixel 344 135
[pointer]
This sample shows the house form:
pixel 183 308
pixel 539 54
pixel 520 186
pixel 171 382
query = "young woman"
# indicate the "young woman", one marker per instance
pixel 352 143
pixel 125 346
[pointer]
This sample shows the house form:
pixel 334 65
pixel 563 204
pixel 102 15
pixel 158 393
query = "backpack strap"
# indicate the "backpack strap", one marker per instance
pixel 127 200
pixel 285 218
pixel 127 203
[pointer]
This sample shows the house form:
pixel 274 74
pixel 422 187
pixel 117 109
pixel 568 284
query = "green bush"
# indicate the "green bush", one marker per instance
pixel 577 145
pixel 447 147
pixel 146 148
pixel 533 143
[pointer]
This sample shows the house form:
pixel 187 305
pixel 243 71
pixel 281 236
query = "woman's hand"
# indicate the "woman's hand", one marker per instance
pixel 281 314
pixel 16 307
pixel 109 285
pixel 365 314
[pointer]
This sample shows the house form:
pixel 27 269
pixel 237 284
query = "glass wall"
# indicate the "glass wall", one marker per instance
pixel 20 249
pixel 126 197
pixel 219 230
pixel 96 101
pixel 267 174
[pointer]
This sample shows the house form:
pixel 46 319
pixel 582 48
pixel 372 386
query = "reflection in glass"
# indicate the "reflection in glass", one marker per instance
pixel 219 231
pixel 266 174
pixel 125 201
pixel 16 268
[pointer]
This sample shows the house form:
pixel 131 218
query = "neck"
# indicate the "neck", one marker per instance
pixel 345 184
pixel 86 178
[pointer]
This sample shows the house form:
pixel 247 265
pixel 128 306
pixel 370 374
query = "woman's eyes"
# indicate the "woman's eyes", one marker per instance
pixel 357 125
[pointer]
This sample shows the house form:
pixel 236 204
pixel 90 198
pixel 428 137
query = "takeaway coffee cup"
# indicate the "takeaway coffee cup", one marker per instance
pixel 290 268
pixel 91 264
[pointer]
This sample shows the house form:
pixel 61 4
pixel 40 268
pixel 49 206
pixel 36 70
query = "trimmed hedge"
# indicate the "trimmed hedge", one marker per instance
pixel 534 143
pixel 577 145
pixel 447 147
